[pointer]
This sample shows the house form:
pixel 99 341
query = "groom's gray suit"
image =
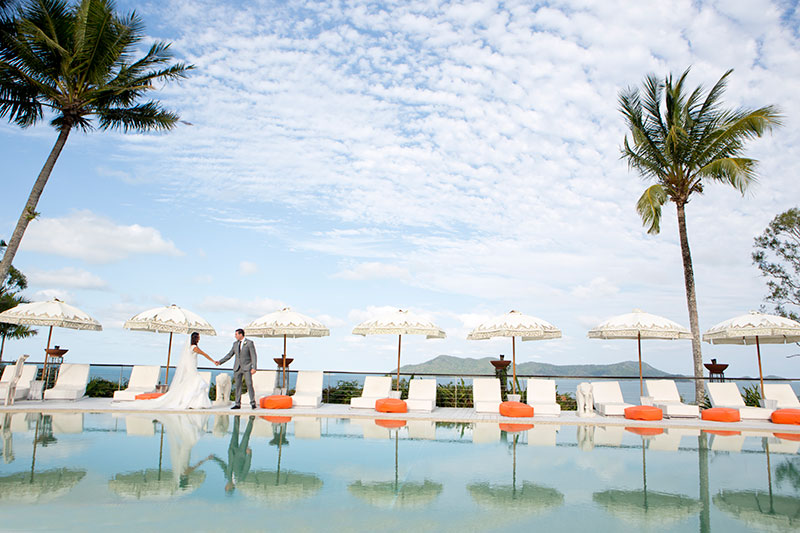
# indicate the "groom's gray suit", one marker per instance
pixel 245 352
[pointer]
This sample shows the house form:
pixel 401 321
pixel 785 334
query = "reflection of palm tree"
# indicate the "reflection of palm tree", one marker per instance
pixel 239 456
pixel 788 471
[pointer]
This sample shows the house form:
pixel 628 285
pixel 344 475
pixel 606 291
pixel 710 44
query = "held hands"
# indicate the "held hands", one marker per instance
pixel 252 370
pixel 216 363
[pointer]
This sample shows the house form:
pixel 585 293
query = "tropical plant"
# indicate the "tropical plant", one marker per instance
pixel 14 282
pixel 777 255
pixel 682 140
pixel 751 396
pixel 76 62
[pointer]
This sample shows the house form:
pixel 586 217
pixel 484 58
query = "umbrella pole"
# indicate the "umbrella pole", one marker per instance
pixel 44 368
pixel 399 342
pixel 760 374
pixel 284 363
pixel 644 476
pixel 639 342
pixel 396 477
pixel 769 478
pixel 169 353
pixel 160 451
pixel 514 364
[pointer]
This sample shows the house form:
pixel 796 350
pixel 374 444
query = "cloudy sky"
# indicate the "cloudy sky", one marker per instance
pixel 458 159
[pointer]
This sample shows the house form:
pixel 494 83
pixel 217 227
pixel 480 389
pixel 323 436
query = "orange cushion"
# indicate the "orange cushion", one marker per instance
pixel 148 395
pixel 277 419
pixel 721 414
pixel 788 436
pixel 515 428
pixel 390 424
pixel 643 412
pixel 722 433
pixel 276 401
pixel 646 432
pixel 786 416
pixel 391 405
pixel 516 410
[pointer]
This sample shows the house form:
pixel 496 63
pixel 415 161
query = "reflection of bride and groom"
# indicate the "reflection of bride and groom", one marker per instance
pixel 189 390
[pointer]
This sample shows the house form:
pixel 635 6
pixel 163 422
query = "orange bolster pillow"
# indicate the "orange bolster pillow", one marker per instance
pixel 391 405
pixel 276 401
pixel 516 410
pixel 515 428
pixel 643 412
pixel 390 424
pixel 721 414
pixel 786 416
pixel 149 395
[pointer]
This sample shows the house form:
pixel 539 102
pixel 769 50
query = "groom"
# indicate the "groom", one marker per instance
pixel 244 366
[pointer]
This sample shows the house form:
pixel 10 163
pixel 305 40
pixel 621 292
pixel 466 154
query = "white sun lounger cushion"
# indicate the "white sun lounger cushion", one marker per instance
pixel 70 384
pixel 607 398
pixel 375 388
pixel 486 395
pixel 783 393
pixel 143 379
pixel 541 395
pixel 308 391
pixel 421 395
pixel 666 397
pixel 728 395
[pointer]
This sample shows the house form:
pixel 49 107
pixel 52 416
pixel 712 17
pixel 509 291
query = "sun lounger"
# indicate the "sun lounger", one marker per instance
pixel 421 429
pixel 670 440
pixel 264 383
pixel 307 427
pixel 483 432
pixel 70 384
pixel 486 395
pixel 143 379
pixel 666 397
pixel 542 397
pixel 783 394
pixel 308 391
pixel 23 384
pixel 608 435
pixel 370 429
pixel 778 445
pixel 542 434
pixel 67 422
pixel 728 395
pixel 607 398
pixel 375 388
pixel 262 428
pixel 421 395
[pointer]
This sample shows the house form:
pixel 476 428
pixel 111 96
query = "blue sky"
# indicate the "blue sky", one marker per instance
pixel 458 159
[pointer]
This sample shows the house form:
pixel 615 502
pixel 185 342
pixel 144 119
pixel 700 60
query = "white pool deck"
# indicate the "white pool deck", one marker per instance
pixel 440 414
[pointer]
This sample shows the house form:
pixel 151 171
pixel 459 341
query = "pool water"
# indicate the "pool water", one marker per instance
pixel 74 471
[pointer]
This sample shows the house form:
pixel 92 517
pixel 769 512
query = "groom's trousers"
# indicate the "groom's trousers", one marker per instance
pixel 238 377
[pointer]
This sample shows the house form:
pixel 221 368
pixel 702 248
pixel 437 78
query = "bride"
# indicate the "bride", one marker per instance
pixel 188 389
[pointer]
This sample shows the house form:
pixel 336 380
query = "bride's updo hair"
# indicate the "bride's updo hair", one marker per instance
pixel 195 339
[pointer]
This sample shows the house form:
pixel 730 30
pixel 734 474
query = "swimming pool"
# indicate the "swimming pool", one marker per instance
pixel 76 471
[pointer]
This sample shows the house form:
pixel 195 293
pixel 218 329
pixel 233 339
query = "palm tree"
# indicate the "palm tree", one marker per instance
pixel 77 62
pixel 681 141
pixel 14 282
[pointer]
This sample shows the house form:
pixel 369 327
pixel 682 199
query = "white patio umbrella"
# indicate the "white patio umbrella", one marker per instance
pixel 53 314
pixel 515 324
pixel 755 328
pixel 171 319
pixel 286 323
pixel 639 325
pixel 400 322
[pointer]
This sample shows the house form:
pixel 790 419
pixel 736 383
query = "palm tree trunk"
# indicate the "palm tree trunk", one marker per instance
pixel 691 301
pixel 29 213
pixel 2 347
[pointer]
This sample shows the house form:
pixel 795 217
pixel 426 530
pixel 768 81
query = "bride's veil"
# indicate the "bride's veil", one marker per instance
pixel 186 363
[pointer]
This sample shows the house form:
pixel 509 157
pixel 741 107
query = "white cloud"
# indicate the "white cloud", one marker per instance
pixel 373 270
pixel 598 287
pixel 73 278
pixel 252 308
pixel 49 294
pixel 203 279
pixel 247 268
pixel 94 238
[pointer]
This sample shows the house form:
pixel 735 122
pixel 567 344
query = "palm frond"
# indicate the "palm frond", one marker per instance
pixel 738 172
pixel 649 207
pixel 144 117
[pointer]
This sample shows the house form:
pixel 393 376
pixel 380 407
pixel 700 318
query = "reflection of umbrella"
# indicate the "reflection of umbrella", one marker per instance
pixel 530 497
pixel 394 493
pixel 515 324
pixel 286 323
pixel 399 323
pixel 172 319
pixel 755 328
pixel 759 509
pixel 154 484
pixel 639 325
pixel 644 506
pixel 32 487
pixel 53 313
pixel 279 487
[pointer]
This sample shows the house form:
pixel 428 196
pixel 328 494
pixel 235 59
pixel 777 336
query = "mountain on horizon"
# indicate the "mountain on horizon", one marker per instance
pixel 448 364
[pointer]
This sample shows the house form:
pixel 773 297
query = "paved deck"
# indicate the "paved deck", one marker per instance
pixel 440 414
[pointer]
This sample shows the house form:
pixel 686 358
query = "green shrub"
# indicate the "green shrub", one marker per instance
pixel 752 396
pixel 102 388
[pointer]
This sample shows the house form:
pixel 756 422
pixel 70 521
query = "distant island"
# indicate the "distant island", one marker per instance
pixel 447 364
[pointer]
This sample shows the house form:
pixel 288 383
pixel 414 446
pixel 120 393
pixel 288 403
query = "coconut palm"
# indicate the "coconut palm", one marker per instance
pixel 682 140
pixel 77 63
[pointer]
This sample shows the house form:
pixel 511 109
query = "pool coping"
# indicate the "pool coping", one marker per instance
pixel 440 414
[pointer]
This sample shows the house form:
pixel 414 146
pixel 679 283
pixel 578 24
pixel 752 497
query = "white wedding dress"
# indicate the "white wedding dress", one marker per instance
pixel 188 389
